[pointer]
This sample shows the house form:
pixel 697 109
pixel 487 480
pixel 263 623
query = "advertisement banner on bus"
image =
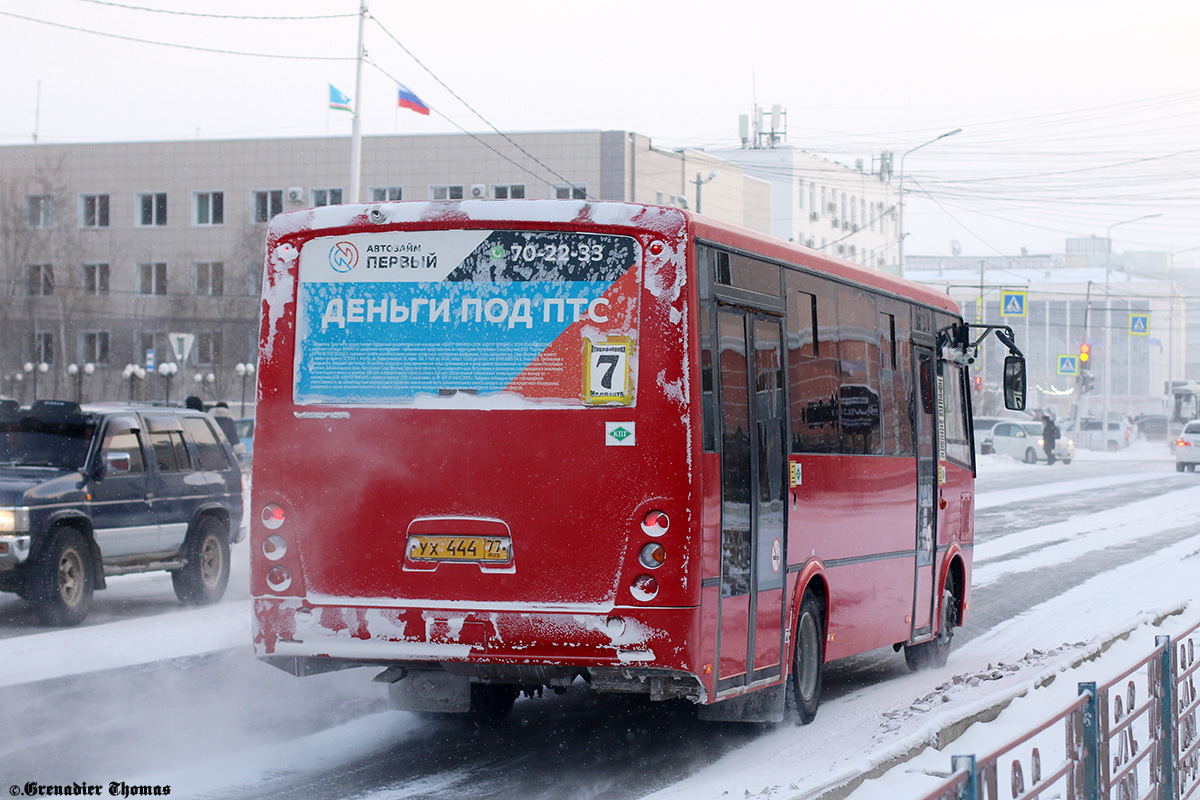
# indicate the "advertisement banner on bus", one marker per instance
pixel 384 318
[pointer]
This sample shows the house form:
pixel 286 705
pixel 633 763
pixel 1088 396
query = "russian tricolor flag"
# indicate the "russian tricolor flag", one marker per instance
pixel 410 101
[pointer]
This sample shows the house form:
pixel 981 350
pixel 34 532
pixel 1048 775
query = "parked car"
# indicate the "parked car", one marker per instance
pixel 983 430
pixel 1187 447
pixel 1152 427
pixel 95 491
pixel 1023 441
pixel 1089 434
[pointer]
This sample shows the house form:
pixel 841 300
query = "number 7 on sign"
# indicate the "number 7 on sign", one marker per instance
pixel 606 371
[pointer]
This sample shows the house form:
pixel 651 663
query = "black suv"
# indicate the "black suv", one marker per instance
pixel 87 492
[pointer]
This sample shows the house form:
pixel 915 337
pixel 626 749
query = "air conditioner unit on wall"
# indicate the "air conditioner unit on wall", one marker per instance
pixel 478 191
pixel 814 216
pixel 296 194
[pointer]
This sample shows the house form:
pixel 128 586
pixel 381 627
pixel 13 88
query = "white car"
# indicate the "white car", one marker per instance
pixel 1023 441
pixel 1091 437
pixel 1187 447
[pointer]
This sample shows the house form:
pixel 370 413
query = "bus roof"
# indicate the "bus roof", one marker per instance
pixel 329 219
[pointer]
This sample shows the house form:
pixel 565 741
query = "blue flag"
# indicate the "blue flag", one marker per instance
pixel 338 100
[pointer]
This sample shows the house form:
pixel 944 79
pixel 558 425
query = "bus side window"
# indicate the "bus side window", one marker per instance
pixel 858 345
pixel 708 405
pixel 812 369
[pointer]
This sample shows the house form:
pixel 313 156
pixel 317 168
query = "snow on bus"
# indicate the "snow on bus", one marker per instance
pixel 504 446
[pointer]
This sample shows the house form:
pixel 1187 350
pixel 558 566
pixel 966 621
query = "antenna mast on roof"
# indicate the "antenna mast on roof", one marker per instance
pixel 754 133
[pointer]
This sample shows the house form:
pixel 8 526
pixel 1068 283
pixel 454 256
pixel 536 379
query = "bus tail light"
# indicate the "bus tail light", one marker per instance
pixel 272 516
pixel 274 547
pixel 655 523
pixel 278 578
pixel 653 555
pixel 644 588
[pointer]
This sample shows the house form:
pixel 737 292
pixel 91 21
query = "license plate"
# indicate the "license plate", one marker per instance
pixel 485 549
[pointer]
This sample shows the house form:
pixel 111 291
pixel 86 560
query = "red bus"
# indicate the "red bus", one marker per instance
pixel 502 446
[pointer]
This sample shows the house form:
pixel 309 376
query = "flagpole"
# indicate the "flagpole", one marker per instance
pixel 356 126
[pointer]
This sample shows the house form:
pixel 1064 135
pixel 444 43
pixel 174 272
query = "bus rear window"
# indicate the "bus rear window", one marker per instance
pixel 400 317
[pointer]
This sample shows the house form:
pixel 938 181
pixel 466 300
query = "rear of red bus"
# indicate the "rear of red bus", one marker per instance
pixel 475 446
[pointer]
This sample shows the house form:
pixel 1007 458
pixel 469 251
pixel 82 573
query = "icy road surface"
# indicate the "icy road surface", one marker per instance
pixel 147 692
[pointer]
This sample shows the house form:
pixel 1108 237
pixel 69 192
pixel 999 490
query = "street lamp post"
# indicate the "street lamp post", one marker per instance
pixel 1108 325
pixel 33 370
pixel 200 380
pixel 244 371
pixel 77 372
pixel 133 373
pixel 700 182
pixel 168 369
pixel 901 203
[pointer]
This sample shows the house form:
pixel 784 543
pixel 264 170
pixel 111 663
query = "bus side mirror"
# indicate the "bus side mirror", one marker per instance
pixel 1014 383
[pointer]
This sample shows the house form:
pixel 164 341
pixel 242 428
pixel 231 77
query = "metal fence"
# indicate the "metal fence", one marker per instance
pixel 1133 738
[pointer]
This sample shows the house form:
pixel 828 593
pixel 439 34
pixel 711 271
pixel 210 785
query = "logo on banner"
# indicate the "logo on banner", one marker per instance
pixel 1012 304
pixel 343 256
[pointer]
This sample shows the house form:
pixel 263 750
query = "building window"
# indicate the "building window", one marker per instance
pixel 382 194
pixel 93 346
pixel 446 192
pixel 152 208
pixel 95 279
pixel 42 348
pixel 208 348
pixel 326 197
pixel 267 204
pixel 39 211
pixel 575 191
pixel 504 191
pixel 800 193
pixel 152 278
pixel 210 278
pixel 39 280
pixel 93 210
pixel 210 208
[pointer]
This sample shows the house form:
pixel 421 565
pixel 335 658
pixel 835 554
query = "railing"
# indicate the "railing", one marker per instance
pixel 1133 738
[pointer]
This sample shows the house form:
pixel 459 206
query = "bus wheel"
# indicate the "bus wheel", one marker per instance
pixel 808 657
pixel 933 654
pixel 491 702
pixel 60 582
pixel 202 580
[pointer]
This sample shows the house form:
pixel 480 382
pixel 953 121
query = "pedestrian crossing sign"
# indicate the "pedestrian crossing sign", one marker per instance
pixel 1139 324
pixel 1012 304
pixel 1067 365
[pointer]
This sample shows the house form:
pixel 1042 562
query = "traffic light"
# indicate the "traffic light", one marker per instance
pixel 979 383
pixel 1086 380
pixel 1085 354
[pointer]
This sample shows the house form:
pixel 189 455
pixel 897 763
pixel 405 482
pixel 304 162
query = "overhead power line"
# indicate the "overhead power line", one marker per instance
pixel 174 44
pixel 215 16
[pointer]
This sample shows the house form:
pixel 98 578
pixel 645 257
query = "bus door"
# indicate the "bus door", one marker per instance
pixel 753 524
pixel 925 417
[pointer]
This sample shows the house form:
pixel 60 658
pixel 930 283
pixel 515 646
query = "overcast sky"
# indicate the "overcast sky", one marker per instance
pixel 1076 114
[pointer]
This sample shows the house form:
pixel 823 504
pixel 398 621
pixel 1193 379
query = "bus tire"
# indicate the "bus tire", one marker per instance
pixel 934 653
pixel 202 580
pixel 491 702
pixel 808 661
pixel 60 583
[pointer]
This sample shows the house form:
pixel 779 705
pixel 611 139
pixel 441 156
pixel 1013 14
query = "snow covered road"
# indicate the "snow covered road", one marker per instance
pixel 1065 557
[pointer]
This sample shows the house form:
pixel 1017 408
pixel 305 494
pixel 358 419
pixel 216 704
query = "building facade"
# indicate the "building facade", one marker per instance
pixel 107 249
pixel 841 211
pixel 1134 322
